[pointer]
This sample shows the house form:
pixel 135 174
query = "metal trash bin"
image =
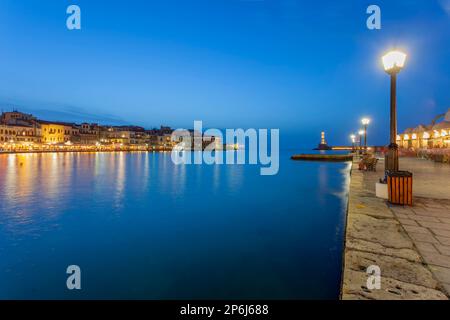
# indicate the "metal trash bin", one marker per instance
pixel 400 187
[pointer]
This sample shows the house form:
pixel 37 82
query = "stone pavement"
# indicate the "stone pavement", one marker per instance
pixel 431 179
pixel 411 245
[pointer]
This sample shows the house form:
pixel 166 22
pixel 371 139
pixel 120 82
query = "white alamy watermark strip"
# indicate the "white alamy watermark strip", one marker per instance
pixel 209 147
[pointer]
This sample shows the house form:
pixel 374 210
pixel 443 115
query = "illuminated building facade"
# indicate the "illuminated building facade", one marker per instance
pixel 435 135
pixel 56 132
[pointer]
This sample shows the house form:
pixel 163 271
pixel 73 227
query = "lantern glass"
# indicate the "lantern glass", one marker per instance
pixel 394 60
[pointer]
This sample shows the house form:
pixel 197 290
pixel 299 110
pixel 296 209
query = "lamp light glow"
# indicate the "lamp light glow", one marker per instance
pixel 365 121
pixel 394 61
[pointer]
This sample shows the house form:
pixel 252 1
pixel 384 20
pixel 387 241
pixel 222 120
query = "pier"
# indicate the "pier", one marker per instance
pixel 323 157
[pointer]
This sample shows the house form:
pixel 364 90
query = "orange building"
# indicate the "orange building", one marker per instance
pixel 55 132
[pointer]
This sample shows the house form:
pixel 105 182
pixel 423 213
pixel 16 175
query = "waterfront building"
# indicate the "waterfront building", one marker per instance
pixel 19 134
pixel 105 134
pixel 152 139
pixel 434 135
pixel 119 137
pixel 21 131
pixel 164 140
pixel 57 132
pixel 193 140
pixel 75 137
pixel 19 127
pixel 88 133
pixel 160 138
pixel 17 118
pixel 164 130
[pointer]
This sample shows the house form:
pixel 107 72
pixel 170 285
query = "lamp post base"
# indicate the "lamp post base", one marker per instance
pixel 391 159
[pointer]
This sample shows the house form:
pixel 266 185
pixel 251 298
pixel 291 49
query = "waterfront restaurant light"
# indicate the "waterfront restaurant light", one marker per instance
pixel 399 138
pixel 443 133
pixel 406 137
pixel 414 136
pixel 394 61
pixel 426 135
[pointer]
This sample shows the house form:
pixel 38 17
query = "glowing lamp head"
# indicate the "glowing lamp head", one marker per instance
pixel 365 121
pixel 361 132
pixel 394 61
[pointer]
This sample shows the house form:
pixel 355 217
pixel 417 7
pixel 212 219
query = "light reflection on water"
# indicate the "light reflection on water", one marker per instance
pixel 166 231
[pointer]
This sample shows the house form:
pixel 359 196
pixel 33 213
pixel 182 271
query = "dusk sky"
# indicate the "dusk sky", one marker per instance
pixel 300 66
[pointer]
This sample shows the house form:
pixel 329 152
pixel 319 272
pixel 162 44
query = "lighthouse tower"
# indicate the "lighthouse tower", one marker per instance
pixel 322 138
pixel 323 143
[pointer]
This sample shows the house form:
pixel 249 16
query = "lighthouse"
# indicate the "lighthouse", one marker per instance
pixel 322 138
pixel 323 143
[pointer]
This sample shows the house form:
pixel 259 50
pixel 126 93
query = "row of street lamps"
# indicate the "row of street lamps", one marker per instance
pixel 363 132
pixel 393 63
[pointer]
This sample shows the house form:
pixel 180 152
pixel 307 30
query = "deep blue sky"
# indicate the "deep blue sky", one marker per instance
pixel 301 66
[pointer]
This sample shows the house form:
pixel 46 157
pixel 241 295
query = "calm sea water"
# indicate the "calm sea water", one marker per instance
pixel 141 227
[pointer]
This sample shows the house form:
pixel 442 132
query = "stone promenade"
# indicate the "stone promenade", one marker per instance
pixel 410 245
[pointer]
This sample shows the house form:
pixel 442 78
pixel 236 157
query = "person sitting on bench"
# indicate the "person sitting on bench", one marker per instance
pixel 368 163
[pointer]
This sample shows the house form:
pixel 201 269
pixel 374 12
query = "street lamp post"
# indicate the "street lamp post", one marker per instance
pixel 393 63
pixel 365 122
pixel 353 138
pixel 361 133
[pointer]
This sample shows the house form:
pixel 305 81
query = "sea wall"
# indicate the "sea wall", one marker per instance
pixel 323 157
